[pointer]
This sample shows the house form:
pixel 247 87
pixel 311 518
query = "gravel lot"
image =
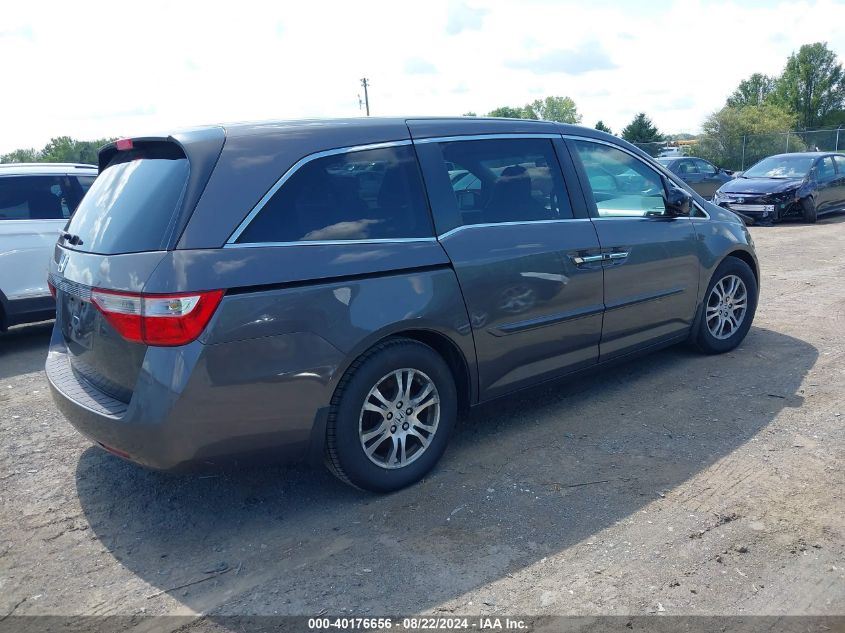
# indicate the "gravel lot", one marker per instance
pixel 679 484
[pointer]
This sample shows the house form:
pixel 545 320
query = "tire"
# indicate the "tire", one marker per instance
pixel 716 334
pixel 386 426
pixel 808 208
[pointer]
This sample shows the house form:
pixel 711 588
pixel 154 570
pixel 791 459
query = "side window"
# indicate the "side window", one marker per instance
pixel 840 164
pixel 370 194
pixel 825 169
pixel 505 180
pixel 35 198
pixel 622 186
pixel 685 167
pixel 704 167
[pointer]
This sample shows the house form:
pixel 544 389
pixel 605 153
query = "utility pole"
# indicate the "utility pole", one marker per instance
pixel 366 83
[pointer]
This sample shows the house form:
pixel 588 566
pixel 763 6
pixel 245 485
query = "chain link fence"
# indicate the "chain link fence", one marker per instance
pixel 739 152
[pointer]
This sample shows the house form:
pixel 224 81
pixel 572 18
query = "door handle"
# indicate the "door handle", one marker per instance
pixel 586 259
pixel 602 257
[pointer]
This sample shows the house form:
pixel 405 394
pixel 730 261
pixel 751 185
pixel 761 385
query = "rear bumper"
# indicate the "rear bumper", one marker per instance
pixel 204 405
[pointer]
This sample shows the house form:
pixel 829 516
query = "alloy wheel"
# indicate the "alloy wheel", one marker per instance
pixel 399 418
pixel 727 306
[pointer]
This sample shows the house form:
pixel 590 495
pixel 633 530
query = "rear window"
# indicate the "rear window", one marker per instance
pixel 132 204
pixel 362 195
pixel 37 197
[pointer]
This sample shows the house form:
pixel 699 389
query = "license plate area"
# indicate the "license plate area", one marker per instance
pixel 78 319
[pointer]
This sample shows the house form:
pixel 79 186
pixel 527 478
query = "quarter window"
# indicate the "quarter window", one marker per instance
pixel 622 186
pixel 363 195
pixel 505 180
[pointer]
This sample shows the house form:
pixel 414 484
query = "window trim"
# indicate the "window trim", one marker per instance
pixel 231 242
pixel 481 137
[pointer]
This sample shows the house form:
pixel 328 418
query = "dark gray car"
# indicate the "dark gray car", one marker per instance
pixel 703 176
pixel 322 290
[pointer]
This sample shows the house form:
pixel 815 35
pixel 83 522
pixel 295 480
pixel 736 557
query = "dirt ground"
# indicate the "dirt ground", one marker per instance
pixel 678 484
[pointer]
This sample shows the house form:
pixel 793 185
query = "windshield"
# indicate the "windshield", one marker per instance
pixel 781 167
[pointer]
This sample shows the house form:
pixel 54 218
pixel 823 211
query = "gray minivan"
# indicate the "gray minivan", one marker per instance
pixel 325 290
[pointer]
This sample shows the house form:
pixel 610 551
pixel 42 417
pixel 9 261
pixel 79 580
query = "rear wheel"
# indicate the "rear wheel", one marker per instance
pixel 808 208
pixel 728 308
pixel 391 416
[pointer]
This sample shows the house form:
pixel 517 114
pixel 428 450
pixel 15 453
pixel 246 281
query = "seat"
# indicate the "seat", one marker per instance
pixel 393 202
pixel 511 199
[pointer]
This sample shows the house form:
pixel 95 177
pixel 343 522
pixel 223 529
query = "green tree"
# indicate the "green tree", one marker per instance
pixel 61 149
pixel 812 84
pixel 736 137
pixel 512 113
pixel 20 156
pixel 470 113
pixel 752 91
pixel 641 130
pixel 600 126
pixel 560 109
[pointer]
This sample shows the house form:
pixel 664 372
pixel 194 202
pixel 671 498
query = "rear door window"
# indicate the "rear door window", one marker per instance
pixel 132 205
pixel 506 180
pixel 358 195
pixel 37 197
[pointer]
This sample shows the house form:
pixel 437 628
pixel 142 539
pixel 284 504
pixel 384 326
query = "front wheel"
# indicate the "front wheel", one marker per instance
pixel 391 416
pixel 808 208
pixel 728 308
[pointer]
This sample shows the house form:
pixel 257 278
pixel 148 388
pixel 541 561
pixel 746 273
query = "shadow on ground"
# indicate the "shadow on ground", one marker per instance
pixel 23 349
pixel 524 478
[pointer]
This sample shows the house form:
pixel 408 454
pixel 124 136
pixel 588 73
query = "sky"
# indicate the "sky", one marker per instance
pixel 122 68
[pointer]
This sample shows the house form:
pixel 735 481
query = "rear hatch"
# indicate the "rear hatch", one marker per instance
pixel 120 232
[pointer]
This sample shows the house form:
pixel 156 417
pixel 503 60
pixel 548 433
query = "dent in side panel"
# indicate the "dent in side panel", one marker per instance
pixel 351 315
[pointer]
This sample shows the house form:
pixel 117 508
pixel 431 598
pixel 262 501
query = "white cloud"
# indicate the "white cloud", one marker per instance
pixel 115 69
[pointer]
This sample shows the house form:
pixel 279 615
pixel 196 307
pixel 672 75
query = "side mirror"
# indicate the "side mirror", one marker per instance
pixel 678 202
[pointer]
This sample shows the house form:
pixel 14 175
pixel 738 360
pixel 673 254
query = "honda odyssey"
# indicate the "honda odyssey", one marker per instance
pixel 322 290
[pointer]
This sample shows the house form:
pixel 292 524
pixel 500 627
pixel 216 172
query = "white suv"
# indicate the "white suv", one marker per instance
pixel 36 200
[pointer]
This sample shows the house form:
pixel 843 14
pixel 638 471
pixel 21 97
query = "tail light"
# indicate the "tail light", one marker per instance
pixel 51 287
pixel 166 320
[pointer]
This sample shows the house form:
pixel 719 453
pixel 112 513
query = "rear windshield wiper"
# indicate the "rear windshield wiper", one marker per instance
pixel 73 240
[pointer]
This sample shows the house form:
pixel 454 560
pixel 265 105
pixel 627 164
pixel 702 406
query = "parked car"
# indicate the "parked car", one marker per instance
pixel 214 306
pixel 802 185
pixel 36 201
pixel 703 176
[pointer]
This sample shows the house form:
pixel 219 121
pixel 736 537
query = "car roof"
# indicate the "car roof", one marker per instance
pixel 424 124
pixel 45 169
